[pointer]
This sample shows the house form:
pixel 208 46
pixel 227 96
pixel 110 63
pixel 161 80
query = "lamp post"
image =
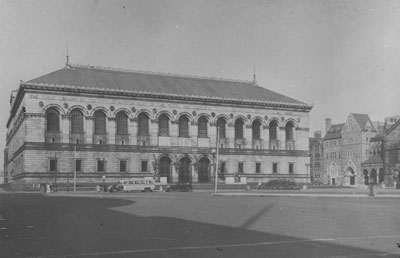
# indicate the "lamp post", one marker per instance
pixel 75 168
pixel 307 166
pixel 216 165
pixel 104 186
pixel 55 172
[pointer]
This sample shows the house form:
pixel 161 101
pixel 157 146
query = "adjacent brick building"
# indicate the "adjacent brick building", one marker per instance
pixel 123 123
pixel 346 146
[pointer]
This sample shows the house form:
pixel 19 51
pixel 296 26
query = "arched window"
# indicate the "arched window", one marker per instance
pixel 122 123
pixel 183 126
pixel 53 120
pixel 289 131
pixel 239 129
pixel 99 122
pixel 202 127
pixel 143 125
pixel 221 127
pixel 76 121
pixel 273 126
pixel 163 125
pixel 256 130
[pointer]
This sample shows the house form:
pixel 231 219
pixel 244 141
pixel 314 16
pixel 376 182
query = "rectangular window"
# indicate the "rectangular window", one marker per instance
pixel 101 165
pixel 78 165
pixel 53 165
pixel 240 168
pixel 274 167
pixel 258 168
pixel 222 166
pixel 123 166
pixel 291 168
pixel 144 165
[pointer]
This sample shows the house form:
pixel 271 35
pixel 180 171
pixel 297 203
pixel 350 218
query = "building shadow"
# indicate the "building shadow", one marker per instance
pixel 88 227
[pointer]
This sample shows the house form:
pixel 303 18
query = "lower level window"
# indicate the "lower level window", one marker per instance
pixel 291 168
pixel 123 165
pixel 258 167
pixel 53 165
pixel 101 166
pixel 144 165
pixel 78 165
pixel 274 167
pixel 240 168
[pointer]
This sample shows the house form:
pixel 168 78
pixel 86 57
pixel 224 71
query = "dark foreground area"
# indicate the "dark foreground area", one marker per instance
pixel 196 225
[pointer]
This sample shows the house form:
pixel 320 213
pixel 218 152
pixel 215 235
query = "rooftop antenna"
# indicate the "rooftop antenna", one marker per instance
pixel 67 63
pixel 254 74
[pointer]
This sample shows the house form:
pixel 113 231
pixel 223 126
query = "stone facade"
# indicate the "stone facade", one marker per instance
pixel 122 134
pixel 346 146
pixel 316 158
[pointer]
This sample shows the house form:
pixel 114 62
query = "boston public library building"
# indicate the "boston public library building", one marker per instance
pixel 101 123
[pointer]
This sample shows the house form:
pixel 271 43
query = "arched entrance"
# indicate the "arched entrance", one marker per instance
pixel 373 176
pixel 381 176
pixel 204 170
pixel 184 171
pixel 366 181
pixel 165 168
pixel 352 176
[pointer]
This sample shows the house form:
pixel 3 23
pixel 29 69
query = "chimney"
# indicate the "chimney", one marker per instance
pixel 328 124
pixel 12 97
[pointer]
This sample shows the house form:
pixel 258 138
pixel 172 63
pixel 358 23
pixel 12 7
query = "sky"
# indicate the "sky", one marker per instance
pixel 340 56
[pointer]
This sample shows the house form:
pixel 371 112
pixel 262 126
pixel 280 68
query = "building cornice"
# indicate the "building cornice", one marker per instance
pixel 165 96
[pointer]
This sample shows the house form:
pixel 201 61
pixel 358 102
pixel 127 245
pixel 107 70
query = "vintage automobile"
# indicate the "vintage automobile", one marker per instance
pixel 179 187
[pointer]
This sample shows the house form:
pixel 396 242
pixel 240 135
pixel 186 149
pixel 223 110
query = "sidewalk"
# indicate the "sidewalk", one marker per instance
pixel 317 192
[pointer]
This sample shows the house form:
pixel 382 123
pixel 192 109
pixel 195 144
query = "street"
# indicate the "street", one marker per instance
pixel 196 225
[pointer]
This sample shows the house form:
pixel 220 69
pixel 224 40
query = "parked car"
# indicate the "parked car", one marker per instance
pixel 180 187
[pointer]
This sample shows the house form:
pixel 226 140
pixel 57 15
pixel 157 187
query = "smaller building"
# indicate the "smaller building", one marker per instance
pixel 331 153
pixel 373 167
pixel 316 158
pixel 391 150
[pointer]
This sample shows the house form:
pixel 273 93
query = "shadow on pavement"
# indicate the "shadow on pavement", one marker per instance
pixel 87 227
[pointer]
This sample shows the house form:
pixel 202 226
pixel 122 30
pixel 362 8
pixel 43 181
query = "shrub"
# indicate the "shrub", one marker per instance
pixel 280 185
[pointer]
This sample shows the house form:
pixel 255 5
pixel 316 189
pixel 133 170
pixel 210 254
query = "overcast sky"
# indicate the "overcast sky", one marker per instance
pixel 341 56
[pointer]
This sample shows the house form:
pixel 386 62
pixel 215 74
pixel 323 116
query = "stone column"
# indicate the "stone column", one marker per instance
pixel 230 135
pixel 111 130
pixel 265 136
pixel 153 132
pixel 248 137
pixel 88 125
pixel 65 128
pixel 133 131
pixel 173 130
pixel 193 133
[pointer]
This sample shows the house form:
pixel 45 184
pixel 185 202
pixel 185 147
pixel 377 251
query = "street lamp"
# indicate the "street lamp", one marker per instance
pixel 307 166
pixel 216 163
pixel 104 186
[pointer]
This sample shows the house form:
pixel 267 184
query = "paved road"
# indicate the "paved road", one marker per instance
pixel 196 225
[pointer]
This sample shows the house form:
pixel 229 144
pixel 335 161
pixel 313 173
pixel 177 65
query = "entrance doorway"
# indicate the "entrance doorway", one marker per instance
pixel 165 168
pixel 184 171
pixel 352 176
pixel 204 170
pixel 366 179
pixel 381 175
pixel 373 177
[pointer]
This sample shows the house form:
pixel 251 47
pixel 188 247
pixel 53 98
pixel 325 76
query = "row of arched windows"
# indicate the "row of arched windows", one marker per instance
pixel 100 125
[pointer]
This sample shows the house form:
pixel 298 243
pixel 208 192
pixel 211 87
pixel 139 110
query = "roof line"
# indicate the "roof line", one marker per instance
pixel 302 105
pixel 392 127
pixel 124 70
